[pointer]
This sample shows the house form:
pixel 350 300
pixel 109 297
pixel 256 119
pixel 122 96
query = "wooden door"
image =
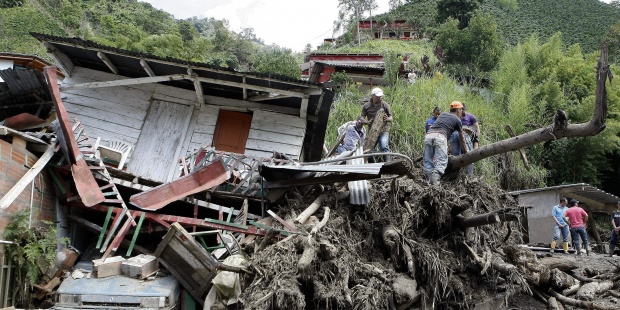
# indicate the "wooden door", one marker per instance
pixel 231 131
pixel 158 147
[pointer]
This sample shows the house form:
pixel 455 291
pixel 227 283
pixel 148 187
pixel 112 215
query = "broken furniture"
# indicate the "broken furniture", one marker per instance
pixel 189 262
pixel 114 152
pixel 107 267
pixel 141 266
pixel 118 292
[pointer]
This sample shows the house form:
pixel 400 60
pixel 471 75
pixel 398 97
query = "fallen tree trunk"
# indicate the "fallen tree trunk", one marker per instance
pixel 579 303
pixel 484 219
pixel 559 129
pixel 315 205
pixel 589 290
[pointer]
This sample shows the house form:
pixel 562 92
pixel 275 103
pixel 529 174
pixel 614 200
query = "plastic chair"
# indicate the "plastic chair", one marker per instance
pixel 114 152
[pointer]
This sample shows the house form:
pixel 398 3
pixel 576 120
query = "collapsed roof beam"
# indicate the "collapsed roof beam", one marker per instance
pixel 248 105
pixel 62 61
pixel 303 110
pixel 197 87
pixel 177 77
pixel 146 67
pixel 107 62
pixel 269 96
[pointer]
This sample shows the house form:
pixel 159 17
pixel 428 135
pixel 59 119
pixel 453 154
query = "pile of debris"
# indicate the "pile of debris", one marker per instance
pixel 448 247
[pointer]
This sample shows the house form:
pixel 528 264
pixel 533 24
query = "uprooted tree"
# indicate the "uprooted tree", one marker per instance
pixel 560 128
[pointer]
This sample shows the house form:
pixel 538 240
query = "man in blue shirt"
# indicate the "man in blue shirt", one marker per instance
pixel 431 121
pixel 560 226
pixel 354 132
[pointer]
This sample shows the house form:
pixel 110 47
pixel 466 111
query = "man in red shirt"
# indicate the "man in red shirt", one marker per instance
pixel 578 218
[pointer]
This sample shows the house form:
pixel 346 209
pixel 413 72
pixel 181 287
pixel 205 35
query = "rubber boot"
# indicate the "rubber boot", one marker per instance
pixel 612 247
pixel 587 249
pixel 578 249
pixel 435 176
pixel 565 247
pixel 553 243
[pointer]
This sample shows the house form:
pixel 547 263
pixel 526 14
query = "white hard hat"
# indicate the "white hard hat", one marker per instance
pixel 377 92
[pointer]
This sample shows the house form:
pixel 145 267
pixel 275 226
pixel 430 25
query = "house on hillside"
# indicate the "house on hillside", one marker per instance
pixel 365 69
pixel 539 224
pixel 396 30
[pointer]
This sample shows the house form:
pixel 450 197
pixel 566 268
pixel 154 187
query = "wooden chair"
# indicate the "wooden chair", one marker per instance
pixel 114 152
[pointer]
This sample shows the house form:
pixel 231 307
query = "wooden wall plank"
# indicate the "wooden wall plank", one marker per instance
pixel 274 146
pixel 115 129
pixel 275 137
pixel 265 117
pixel 122 119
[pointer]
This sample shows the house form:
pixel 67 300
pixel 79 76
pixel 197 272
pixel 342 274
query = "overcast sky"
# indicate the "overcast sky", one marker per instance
pixel 288 23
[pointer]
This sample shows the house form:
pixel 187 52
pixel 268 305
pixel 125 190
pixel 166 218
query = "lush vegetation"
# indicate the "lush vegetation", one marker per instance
pixel 33 250
pixel 137 26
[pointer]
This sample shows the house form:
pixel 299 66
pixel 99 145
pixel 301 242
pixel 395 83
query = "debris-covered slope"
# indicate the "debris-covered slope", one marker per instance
pixel 407 246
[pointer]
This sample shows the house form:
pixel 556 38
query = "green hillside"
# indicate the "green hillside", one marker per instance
pixel 580 21
pixel 136 26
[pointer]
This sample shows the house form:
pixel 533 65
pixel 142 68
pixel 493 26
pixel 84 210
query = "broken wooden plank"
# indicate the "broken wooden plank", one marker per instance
pixel 202 179
pixel 85 183
pixel 286 224
pixel 26 179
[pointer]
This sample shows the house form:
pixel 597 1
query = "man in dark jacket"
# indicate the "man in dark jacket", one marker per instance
pixel 436 142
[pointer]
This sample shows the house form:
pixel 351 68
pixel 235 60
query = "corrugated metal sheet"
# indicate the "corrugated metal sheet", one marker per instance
pixel 348 168
pixel 358 190
pixel 23 91
pixel 580 189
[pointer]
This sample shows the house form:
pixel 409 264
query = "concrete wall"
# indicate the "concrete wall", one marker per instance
pixel 540 221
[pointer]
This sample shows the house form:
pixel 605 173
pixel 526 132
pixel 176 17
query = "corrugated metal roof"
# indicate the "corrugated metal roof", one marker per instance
pixel 24 90
pixel 579 189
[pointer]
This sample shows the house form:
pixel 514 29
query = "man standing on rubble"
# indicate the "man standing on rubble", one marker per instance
pixel 560 226
pixel 369 111
pixel 578 219
pixel 436 142
pixel 354 132
pixel 615 223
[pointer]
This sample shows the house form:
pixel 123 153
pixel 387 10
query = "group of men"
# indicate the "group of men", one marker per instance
pixel 568 216
pixel 456 132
